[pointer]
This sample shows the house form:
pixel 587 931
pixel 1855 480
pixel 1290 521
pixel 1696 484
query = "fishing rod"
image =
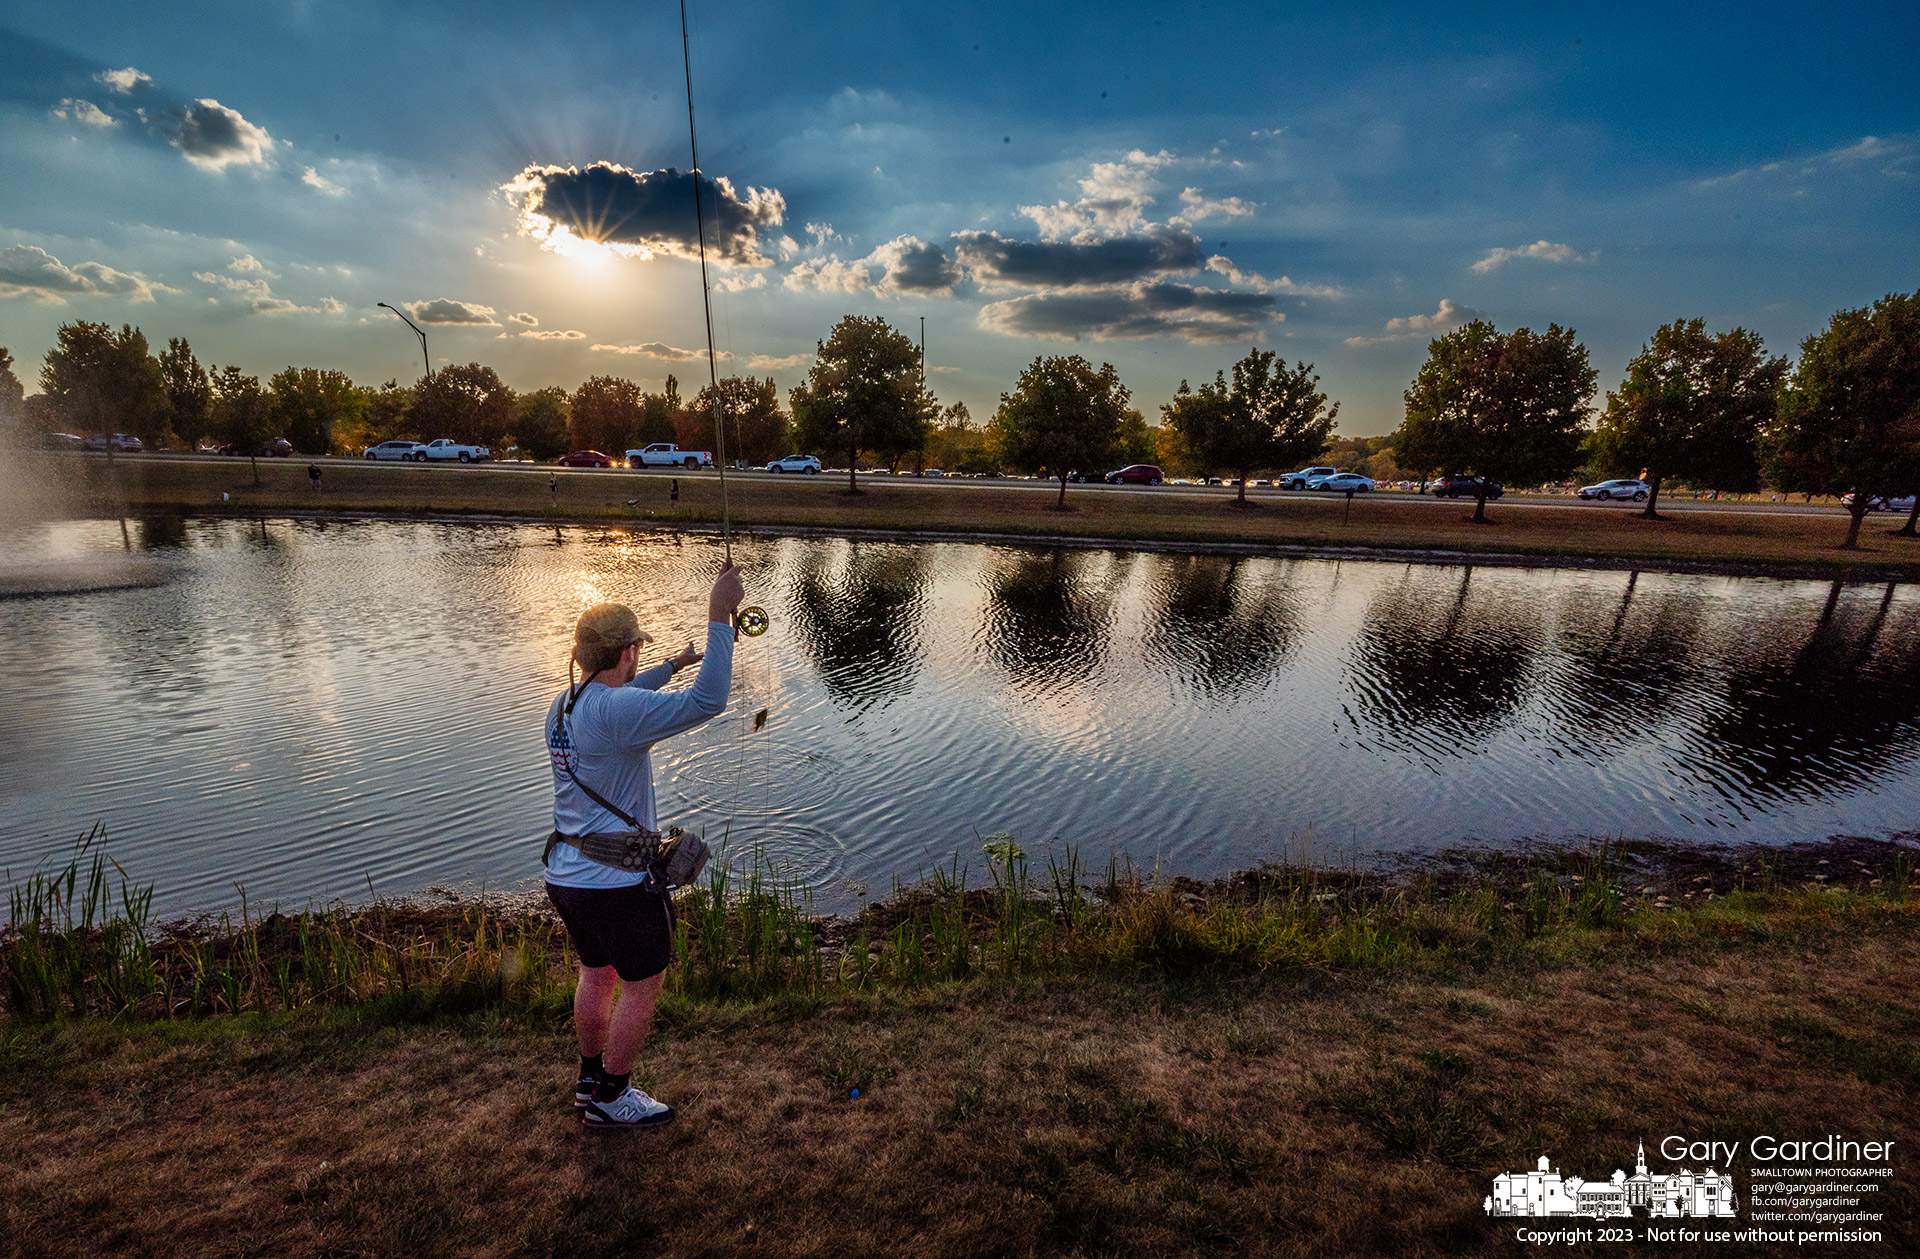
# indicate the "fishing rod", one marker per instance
pixel 751 621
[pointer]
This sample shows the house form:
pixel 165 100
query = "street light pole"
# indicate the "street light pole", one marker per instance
pixel 424 360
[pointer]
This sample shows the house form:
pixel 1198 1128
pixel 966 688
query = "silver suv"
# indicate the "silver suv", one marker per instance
pixel 1298 480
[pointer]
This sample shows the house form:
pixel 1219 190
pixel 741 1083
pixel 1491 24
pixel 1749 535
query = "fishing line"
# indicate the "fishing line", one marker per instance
pixel 759 617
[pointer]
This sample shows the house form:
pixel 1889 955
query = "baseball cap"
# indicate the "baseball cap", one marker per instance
pixel 609 626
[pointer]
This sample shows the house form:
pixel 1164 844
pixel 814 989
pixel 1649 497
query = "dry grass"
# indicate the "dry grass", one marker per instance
pixel 1146 1096
pixel 1726 538
pixel 1100 1118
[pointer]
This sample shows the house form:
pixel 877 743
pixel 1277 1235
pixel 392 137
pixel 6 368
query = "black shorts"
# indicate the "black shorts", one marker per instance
pixel 627 928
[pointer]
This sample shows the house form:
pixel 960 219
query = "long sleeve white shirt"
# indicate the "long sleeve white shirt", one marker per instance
pixel 608 740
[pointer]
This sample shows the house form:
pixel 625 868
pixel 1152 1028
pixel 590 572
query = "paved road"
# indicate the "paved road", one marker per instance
pixel 1259 494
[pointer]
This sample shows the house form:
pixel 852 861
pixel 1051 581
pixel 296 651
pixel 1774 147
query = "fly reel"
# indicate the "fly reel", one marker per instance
pixel 752 622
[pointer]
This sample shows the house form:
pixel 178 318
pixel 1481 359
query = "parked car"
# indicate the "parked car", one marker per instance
pixel 667 455
pixel 1881 502
pixel 934 472
pixel 406 452
pixel 795 463
pixel 1136 474
pixel 124 442
pixel 1342 482
pixel 1464 487
pixel 63 441
pixel 1298 480
pixel 279 449
pixel 586 459
pixel 1624 487
pixel 446 450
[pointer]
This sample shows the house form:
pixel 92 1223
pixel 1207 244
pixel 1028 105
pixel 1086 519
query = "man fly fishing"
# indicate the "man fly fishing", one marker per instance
pixel 608 867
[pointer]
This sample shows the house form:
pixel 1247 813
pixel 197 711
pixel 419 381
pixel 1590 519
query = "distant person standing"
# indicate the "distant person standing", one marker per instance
pixel 673 491
pixel 553 484
pixel 313 477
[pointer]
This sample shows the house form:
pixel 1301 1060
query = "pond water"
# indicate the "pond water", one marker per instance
pixel 309 710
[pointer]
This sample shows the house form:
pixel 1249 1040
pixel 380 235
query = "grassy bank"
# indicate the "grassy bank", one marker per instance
pixel 1732 540
pixel 1050 1060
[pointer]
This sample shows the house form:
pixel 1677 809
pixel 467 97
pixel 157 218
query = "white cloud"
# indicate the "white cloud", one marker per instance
pixel 1545 250
pixel 1113 201
pixel 1449 316
pixel 661 350
pixel 821 234
pixel 213 137
pixel 259 294
pixel 1196 206
pixel 123 81
pixel 740 283
pixel 524 318
pixel 1894 152
pixel 29 271
pixel 83 112
pixel 768 363
pixel 448 312
pixel 555 334
pixel 829 275
pixel 314 179
pixel 1220 264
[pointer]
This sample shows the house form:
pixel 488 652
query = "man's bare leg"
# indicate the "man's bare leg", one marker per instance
pixel 593 1008
pixel 632 1019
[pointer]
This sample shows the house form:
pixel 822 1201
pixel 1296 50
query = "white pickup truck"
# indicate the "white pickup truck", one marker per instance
pixel 445 448
pixel 667 455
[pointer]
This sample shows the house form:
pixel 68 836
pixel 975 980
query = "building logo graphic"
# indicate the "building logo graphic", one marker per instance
pixel 1544 1192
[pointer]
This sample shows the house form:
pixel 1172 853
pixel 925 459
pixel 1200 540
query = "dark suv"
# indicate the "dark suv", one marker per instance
pixel 1464 487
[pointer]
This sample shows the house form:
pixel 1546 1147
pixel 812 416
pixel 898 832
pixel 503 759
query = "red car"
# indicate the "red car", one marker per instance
pixel 586 459
pixel 1136 474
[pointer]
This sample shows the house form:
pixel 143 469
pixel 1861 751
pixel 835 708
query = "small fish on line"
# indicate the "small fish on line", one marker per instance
pixel 760 719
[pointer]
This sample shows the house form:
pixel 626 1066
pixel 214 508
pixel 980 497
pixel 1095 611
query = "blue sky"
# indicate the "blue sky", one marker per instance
pixel 1156 187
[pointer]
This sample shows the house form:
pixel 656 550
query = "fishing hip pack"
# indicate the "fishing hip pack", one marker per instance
pixel 675 858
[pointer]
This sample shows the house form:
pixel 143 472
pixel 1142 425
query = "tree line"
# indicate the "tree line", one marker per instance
pixel 97 380
pixel 1709 410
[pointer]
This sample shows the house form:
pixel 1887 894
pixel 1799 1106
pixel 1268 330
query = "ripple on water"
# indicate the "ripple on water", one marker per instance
pixel 770 774
pixel 794 852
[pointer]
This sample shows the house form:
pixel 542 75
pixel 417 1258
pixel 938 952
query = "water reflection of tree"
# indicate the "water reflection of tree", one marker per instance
pixel 1048 616
pixel 1221 630
pixel 1442 669
pixel 863 626
pixel 1626 661
pixel 1825 709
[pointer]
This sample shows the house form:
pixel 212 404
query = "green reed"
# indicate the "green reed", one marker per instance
pixel 80 941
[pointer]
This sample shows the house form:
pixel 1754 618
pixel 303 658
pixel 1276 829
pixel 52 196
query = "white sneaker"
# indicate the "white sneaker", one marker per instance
pixel 632 1109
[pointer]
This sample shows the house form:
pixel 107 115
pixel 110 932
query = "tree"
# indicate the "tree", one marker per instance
pixel 1849 418
pixel 1062 416
pixel 756 428
pixel 242 414
pixel 13 395
pixel 863 392
pixel 604 415
pixel 470 404
pixel 540 423
pixel 1272 416
pixel 658 415
pixel 311 404
pixel 1507 408
pixel 385 416
pixel 104 382
pixel 188 391
pixel 1691 407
